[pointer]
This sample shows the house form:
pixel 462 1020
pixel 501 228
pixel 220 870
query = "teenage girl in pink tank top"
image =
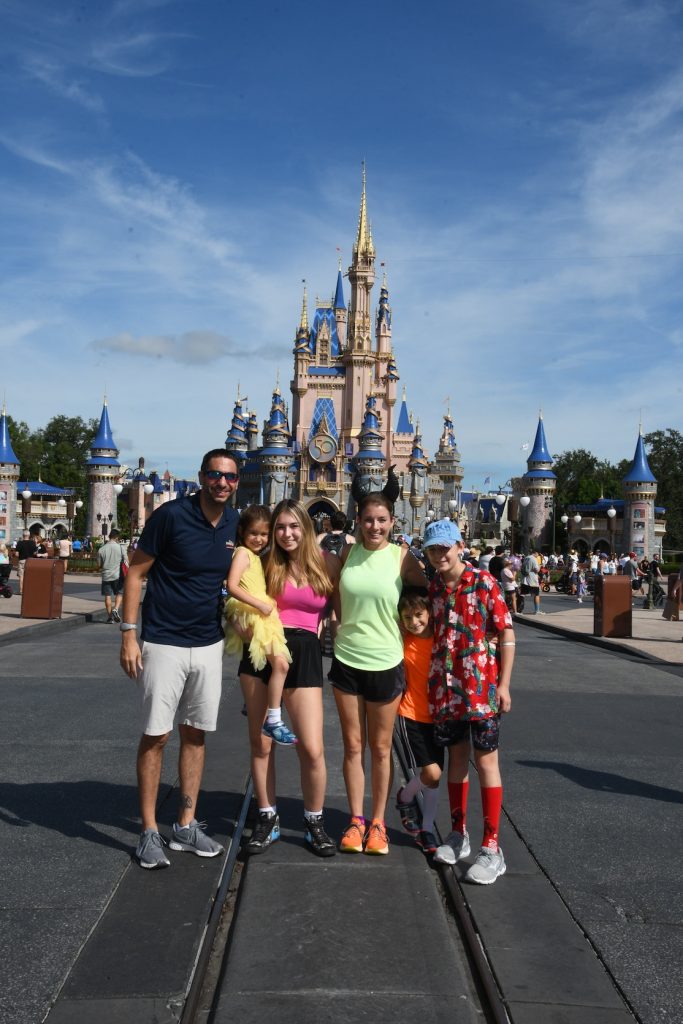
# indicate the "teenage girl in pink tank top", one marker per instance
pixel 299 576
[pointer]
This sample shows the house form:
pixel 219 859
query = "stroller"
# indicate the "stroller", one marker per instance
pixel 5 588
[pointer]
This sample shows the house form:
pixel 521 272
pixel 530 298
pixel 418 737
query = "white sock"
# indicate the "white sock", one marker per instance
pixel 429 800
pixel 267 810
pixel 313 814
pixel 274 716
pixel 411 789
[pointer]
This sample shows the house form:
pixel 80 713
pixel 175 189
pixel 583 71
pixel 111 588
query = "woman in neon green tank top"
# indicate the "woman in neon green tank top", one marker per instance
pixel 367 669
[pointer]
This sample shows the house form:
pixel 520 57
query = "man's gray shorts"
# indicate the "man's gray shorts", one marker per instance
pixel 183 682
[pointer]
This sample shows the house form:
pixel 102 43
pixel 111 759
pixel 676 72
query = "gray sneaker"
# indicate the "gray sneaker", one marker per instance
pixel 192 839
pixel 456 847
pixel 487 867
pixel 150 850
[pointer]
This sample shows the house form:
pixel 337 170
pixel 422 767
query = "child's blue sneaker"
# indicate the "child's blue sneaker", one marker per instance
pixel 279 733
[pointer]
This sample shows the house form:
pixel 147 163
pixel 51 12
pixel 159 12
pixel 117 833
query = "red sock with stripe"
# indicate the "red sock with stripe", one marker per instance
pixel 457 798
pixel 491 805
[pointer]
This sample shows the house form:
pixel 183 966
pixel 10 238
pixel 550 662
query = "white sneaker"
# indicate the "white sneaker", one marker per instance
pixel 456 847
pixel 487 867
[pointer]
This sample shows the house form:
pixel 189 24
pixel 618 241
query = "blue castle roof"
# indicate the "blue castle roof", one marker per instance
pixel 37 487
pixel 104 438
pixel 540 451
pixel 404 426
pixel 6 451
pixel 640 472
pixel 339 293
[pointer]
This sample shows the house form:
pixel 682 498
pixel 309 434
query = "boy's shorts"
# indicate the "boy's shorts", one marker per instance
pixel 418 742
pixel 483 732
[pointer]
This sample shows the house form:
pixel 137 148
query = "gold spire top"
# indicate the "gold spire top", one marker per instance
pixel 404 392
pixel 105 397
pixel 277 382
pixel 303 325
pixel 364 246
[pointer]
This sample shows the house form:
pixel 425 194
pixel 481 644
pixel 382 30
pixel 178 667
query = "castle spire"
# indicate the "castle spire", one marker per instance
pixel 303 323
pixel 364 245
pixel 7 455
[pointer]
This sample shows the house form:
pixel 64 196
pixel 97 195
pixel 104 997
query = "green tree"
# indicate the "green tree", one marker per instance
pixel 665 455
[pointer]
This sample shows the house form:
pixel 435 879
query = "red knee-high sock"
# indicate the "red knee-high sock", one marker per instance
pixel 457 798
pixel 491 805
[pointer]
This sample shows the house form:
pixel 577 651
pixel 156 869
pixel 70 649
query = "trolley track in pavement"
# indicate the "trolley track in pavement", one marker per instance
pixel 214 952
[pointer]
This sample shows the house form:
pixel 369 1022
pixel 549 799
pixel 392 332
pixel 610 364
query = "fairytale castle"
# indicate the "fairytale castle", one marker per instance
pixel 345 415
pixel 346 421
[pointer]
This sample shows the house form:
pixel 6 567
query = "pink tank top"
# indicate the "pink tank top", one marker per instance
pixel 301 607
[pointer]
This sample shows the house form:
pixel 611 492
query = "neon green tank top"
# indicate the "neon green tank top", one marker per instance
pixel 369 587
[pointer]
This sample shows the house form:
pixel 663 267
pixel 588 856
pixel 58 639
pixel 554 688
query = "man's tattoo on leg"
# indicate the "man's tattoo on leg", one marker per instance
pixel 185 801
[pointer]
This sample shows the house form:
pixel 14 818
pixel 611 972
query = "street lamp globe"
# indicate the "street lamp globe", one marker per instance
pixel 500 500
pixel 524 500
pixel 564 519
pixel 577 518
pixel 78 504
pixel 611 512
pixel 452 505
pixel 148 488
pixel 26 494
pixel 61 502
pixel 117 489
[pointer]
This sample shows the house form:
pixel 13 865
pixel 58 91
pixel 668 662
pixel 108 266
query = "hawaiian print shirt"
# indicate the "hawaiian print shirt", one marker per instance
pixel 463 674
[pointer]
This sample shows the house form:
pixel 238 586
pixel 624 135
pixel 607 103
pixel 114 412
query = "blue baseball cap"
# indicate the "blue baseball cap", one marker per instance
pixel 442 532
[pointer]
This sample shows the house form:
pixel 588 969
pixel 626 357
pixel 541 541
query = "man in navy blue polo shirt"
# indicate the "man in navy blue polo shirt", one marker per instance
pixel 185 551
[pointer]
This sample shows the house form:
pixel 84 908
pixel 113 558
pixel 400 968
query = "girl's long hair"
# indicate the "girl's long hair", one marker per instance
pixel 252 514
pixel 310 559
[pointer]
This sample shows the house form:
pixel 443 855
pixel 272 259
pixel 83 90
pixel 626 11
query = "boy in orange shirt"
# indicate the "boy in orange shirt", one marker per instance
pixel 414 721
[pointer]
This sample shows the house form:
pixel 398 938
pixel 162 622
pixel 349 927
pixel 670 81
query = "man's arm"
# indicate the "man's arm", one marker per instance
pixel 131 655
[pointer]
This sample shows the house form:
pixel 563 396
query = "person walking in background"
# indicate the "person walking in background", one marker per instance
pixel 26 548
pixel 469 689
pixel 184 553
pixel 110 558
pixel 530 581
pixel 64 548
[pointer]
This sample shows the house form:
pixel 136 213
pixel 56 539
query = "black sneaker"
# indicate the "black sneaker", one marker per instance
pixel 411 819
pixel 265 831
pixel 317 838
pixel 115 615
pixel 426 841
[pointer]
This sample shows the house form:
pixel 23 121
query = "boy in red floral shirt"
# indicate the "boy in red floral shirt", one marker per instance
pixel 469 688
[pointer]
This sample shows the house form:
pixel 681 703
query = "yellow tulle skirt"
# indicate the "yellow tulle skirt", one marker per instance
pixel 267 634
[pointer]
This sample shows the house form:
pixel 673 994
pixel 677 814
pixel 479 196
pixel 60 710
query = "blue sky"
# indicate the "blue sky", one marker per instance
pixel 170 171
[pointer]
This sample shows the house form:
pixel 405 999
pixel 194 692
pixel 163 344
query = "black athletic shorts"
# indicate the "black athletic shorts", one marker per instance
pixel 418 741
pixel 484 733
pixel 381 686
pixel 307 661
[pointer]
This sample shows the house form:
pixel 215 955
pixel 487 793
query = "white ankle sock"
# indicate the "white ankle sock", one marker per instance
pixel 274 716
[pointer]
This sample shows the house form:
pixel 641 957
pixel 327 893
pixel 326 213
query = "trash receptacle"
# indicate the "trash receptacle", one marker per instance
pixel 672 579
pixel 43 589
pixel 612 606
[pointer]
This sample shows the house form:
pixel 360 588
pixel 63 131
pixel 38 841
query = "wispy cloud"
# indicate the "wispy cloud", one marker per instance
pixel 53 76
pixel 197 348
pixel 142 55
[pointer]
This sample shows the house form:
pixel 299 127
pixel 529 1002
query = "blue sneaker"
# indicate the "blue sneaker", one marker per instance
pixel 265 832
pixel 280 734
pixel 191 839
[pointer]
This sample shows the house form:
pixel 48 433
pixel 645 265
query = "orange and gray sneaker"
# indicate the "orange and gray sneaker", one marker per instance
pixel 352 838
pixel 376 841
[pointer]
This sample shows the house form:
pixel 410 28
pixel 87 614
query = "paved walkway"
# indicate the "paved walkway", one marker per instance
pixel 653 636
pixel 81 599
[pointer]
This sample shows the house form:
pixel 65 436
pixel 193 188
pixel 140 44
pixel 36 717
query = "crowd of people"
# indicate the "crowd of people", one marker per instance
pixel 423 639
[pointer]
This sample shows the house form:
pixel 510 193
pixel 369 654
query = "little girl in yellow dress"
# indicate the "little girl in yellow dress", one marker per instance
pixel 250 608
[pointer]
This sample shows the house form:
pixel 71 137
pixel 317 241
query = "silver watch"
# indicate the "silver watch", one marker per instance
pixel 125 626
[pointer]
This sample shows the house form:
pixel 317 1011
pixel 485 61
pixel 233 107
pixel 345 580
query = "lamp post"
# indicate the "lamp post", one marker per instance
pixel 105 520
pixel 524 502
pixel 612 515
pixel 453 508
pixel 26 505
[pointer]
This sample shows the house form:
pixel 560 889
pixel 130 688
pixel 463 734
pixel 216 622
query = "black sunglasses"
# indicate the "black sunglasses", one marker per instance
pixel 215 474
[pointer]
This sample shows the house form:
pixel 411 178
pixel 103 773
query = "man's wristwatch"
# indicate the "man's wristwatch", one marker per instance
pixel 125 626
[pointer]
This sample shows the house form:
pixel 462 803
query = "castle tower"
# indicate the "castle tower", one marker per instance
pixel 447 468
pixel 275 458
pixel 236 441
pixel 340 309
pixel 640 491
pixel 9 475
pixel 418 467
pixel 539 484
pixel 252 432
pixel 370 463
pixel 359 357
pixel 103 470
